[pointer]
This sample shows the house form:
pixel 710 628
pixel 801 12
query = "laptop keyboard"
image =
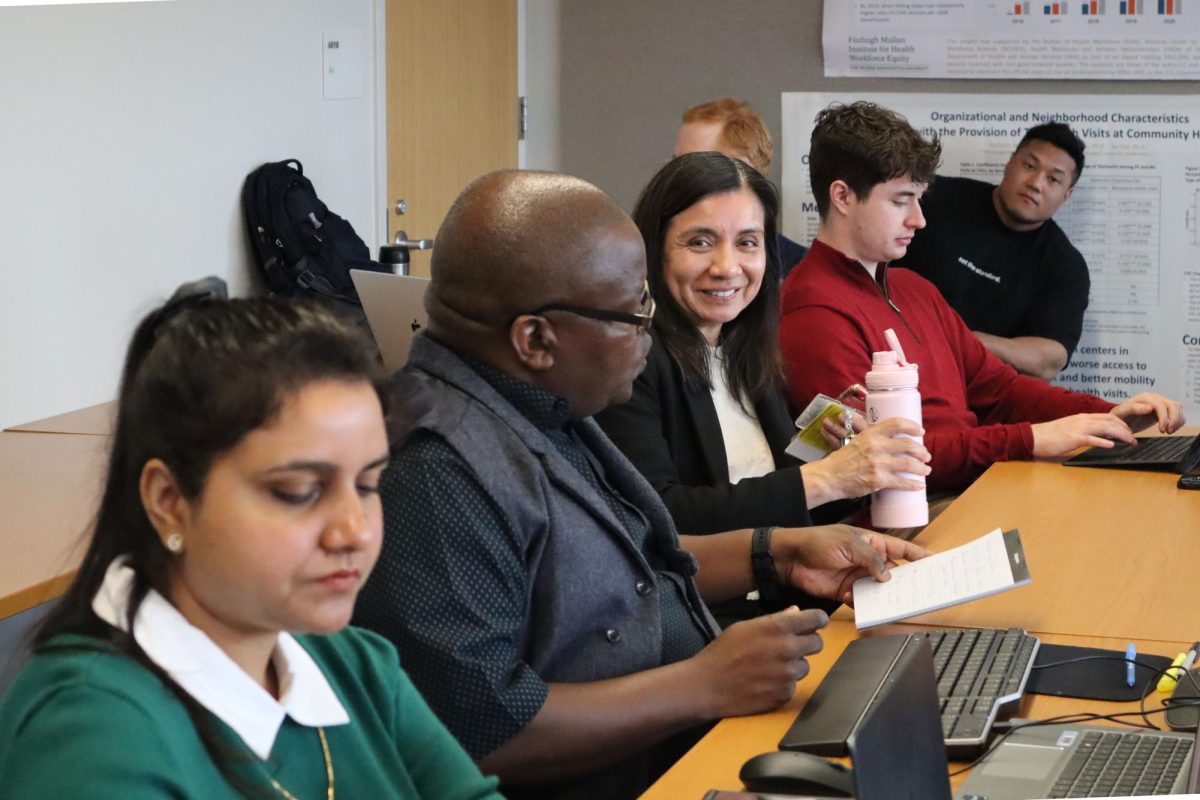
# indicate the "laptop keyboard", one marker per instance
pixel 979 672
pixel 1122 764
pixel 1155 449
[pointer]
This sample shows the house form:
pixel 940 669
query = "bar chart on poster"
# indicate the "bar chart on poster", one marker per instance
pixel 1030 39
pixel 1095 8
pixel 1134 215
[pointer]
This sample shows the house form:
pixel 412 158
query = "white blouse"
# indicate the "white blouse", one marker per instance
pixel 746 450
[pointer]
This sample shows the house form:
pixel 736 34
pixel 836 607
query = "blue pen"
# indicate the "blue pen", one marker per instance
pixel 1130 656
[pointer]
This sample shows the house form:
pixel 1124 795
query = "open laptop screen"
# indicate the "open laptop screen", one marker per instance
pixel 395 308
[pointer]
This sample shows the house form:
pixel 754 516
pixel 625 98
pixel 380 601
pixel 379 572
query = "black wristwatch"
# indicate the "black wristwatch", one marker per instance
pixel 763 566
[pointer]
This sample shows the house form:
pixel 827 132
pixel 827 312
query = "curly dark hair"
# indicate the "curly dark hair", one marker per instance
pixel 865 145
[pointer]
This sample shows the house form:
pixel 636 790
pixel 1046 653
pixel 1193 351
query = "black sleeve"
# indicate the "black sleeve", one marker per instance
pixel 1058 312
pixel 638 430
pixel 790 254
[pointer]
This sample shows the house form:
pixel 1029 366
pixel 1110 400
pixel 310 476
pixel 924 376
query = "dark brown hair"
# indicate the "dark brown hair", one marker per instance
pixel 865 145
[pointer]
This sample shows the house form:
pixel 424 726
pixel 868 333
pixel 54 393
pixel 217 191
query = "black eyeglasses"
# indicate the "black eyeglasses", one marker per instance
pixel 642 319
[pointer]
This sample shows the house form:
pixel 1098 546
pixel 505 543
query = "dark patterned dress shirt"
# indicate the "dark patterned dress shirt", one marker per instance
pixel 468 663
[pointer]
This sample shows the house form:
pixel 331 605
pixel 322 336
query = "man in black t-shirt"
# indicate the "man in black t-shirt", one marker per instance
pixel 1001 261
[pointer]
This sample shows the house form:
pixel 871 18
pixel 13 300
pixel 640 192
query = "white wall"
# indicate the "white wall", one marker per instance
pixel 125 133
pixel 540 68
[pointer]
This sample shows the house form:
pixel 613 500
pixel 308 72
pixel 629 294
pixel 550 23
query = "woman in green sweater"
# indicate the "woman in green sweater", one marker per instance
pixel 240 508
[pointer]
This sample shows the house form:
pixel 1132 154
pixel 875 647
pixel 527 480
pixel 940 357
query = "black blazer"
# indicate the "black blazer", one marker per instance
pixel 672 435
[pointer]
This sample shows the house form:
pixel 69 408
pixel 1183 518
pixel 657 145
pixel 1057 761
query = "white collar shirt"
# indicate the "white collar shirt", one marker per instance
pixel 204 671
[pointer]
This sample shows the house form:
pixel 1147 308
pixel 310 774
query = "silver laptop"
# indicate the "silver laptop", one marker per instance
pixel 1060 760
pixel 395 306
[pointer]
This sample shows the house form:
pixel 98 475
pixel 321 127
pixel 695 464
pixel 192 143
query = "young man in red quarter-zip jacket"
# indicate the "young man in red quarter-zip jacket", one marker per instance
pixel 869 168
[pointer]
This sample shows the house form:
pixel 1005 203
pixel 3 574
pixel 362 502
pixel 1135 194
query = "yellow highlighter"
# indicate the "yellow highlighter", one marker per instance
pixel 1167 682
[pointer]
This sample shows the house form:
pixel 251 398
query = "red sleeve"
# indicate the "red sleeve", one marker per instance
pixel 960 455
pixel 824 351
pixel 1006 404
pixel 998 394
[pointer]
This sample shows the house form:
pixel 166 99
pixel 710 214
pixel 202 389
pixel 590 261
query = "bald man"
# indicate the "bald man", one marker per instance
pixel 531 579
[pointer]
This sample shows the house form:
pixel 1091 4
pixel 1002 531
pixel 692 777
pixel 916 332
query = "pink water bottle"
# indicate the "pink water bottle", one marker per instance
pixel 892 392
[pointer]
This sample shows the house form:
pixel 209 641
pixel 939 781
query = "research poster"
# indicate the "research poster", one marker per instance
pixel 1134 215
pixel 1079 39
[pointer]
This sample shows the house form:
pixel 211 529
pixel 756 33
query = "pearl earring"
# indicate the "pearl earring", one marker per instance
pixel 175 542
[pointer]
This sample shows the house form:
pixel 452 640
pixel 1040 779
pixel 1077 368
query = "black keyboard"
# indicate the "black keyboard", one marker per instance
pixel 1165 453
pixel 981 674
pixel 1122 764
pixel 1154 448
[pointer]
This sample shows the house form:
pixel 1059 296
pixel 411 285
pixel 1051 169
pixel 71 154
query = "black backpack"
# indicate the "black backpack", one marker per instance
pixel 301 246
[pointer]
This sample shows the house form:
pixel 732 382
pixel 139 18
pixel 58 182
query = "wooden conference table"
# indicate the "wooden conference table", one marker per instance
pixel 1113 554
pixel 50 473
pixel 96 420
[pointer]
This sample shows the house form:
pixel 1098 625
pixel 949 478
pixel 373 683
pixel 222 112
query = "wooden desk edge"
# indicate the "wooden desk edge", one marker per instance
pixel 94 420
pixel 35 595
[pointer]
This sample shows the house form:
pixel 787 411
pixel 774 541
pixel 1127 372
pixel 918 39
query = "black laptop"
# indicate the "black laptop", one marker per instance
pixel 1178 454
pixel 897 749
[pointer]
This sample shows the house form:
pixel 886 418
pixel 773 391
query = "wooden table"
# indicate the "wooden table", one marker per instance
pixel 50 474
pixel 1113 554
pixel 49 487
pixel 714 762
pixel 96 420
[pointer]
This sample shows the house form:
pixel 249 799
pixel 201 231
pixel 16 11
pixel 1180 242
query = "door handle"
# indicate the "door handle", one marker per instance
pixel 402 240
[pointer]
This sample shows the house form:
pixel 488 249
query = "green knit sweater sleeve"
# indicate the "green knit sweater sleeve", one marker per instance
pixel 65 735
pixel 88 722
pixel 435 762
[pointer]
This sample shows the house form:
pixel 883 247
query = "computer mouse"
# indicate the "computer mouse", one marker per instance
pixel 791 772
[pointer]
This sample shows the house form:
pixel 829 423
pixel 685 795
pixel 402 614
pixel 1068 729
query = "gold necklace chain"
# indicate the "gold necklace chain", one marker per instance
pixel 328 772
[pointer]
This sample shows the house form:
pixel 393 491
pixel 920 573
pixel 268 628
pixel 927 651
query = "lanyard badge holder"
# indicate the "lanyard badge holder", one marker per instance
pixel 808 444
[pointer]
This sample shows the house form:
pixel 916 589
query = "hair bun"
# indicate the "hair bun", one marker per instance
pixel 190 294
pixel 203 290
